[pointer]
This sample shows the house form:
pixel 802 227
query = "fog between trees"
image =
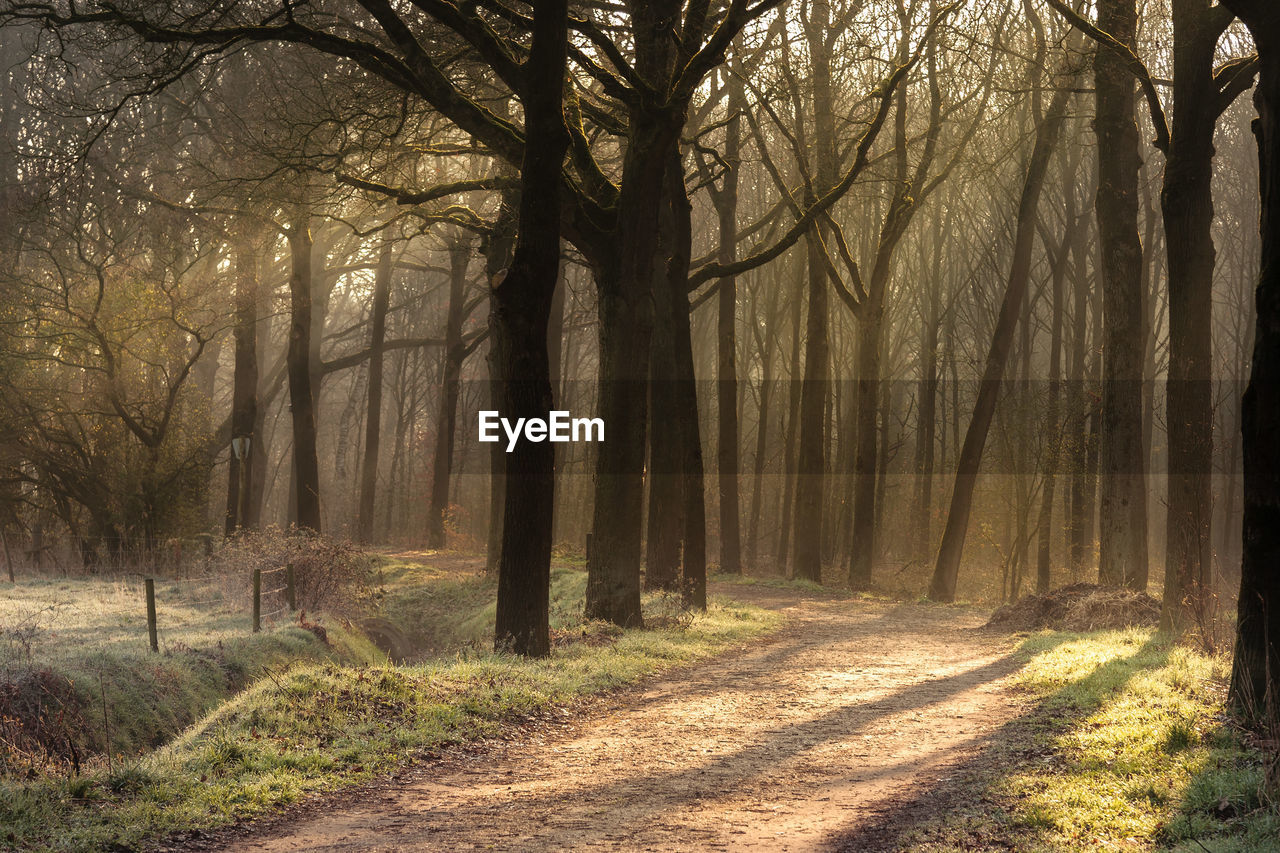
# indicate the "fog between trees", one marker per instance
pixel 913 295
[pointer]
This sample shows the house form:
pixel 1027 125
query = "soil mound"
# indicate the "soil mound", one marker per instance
pixel 1078 607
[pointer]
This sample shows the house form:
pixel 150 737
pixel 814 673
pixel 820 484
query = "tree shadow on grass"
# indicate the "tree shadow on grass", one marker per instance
pixel 965 809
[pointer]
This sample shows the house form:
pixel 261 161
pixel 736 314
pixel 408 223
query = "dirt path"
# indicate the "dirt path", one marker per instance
pixel 784 747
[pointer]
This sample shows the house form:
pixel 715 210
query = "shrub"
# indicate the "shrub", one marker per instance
pixel 330 575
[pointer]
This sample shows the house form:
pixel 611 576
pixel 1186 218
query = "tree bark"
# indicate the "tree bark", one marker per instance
pixel 520 311
pixel 1255 670
pixel 810 465
pixel 814 390
pixel 1186 200
pixel 306 465
pixel 1123 511
pixel 666 514
pixel 624 277
pixel 1052 429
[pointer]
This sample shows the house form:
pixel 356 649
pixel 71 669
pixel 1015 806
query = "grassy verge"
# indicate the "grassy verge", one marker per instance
pixel 1127 748
pixel 439 610
pixel 76 668
pixel 314 727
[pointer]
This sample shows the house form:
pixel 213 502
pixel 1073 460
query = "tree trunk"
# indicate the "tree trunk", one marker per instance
pixel 244 403
pixel 870 332
pixel 306 465
pixel 497 257
pixel 520 311
pixel 451 376
pixel 1186 200
pixel 666 513
pixel 1052 429
pixel 693 494
pixel 373 416
pixel 793 422
pixel 726 202
pixel 926 432
pixel 1255 670
pixel 624 277
pixel 762 430
pixel 1123 512
pixel 811 466
pixel 947 569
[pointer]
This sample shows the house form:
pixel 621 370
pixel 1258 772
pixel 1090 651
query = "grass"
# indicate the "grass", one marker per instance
pixel 317 726
pixel 1127 748
pixel 439 609
pixel 91 634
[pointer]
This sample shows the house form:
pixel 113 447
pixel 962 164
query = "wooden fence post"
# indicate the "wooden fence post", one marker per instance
pixel 151 614
pixel 257 600
pixel 8 558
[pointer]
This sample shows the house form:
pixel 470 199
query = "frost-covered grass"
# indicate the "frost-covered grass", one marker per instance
pixel 90 635
pixel 317 726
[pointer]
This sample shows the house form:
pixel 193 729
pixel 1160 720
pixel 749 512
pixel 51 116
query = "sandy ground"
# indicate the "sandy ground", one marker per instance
pixel 792 745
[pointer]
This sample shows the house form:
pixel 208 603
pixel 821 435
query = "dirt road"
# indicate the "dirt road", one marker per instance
pixel 788 746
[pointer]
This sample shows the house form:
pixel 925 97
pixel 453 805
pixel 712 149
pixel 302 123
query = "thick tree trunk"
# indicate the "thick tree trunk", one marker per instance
pixel 373 415
pixel 1186 200
pixel 306 465
pixel 520 311
pixel 666 514
pixel 1123 512
pixel 947 569
pixel 1255 671
pixel 451 376
pixel 624 276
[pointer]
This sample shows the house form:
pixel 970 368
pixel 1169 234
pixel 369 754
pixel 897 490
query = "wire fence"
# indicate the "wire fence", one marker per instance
pixel 248 584
pixel 285 598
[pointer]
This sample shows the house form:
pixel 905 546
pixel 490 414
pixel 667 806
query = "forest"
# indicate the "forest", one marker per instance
pixel 449 365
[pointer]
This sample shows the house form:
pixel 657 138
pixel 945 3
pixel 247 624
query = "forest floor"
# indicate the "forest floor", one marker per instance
pixel 805 742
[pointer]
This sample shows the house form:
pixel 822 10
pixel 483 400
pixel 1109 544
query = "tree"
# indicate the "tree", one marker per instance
pixel 1123 514
pixel 1201 93
pixel 942 587
pixel 519 314
pixel 1257 652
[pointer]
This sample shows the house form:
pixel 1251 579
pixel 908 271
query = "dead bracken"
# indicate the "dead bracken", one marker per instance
pixel 1077 607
